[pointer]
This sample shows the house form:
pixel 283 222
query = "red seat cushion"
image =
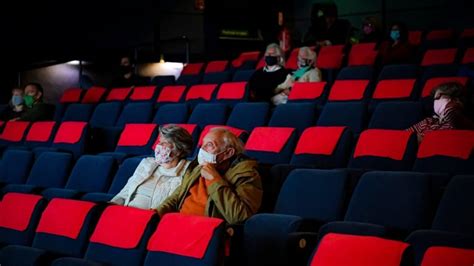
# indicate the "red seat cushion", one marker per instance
pixel 40 131
pixel 64 217
pixel 439 35
pixel 414 37
pixel 136 134
pixel 468 56
pixel 341 249
pixel 330 57
pixel 72 95
pixel 114 227
pixel 443 256
pixel 435 82
pixel 118 94
pixel 70 132
pixel 450 143
pixel 268 139
pixel 236 131
pixel 292 62
pixel 202 91
pixel 184 235
pixel 346 90
pixel 439 57
pixel 261 63
pixel 231 91
pixel 362 54
pixel 394 89
pixel 93 95
pixel 319 140
pixel 142 93
pixel 14 131
pixel 16 210
pixel 467 33
pixel 246 56
pixel 216 66
pixel 171 93
pixel 306 90
pixel 192 69
pixel 384 143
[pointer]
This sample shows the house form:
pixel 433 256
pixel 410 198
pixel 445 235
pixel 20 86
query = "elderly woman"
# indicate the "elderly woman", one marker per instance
pixel 157 177
pixel 306 72
pixel 264 81
pixel 448 110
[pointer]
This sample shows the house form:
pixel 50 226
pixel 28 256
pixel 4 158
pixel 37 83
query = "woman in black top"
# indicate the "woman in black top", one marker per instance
pixel 263 82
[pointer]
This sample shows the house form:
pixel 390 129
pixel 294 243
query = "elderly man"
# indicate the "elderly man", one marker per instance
pixel 223 183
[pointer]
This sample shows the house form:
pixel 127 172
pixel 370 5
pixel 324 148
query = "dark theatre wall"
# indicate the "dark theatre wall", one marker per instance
pixel 419 14
pixel 40 31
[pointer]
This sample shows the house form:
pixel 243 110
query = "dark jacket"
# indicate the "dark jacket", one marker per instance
pixel 38 112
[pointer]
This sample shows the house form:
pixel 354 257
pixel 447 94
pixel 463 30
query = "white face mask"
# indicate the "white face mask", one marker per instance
pixel 440 105
pixel 162 154
pixel 206 157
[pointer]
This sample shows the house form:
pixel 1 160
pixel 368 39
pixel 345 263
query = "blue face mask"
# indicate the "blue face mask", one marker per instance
pixel 395 35
pixel 17 100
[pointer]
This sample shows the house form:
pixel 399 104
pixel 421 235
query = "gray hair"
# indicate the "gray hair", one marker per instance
pixel 280 54
pixel 230 140
pixel 180 137
pixel 310 54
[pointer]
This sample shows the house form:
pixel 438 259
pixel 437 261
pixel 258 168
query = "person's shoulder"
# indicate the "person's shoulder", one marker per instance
pixel 283 71
pixel 192 165
pixel 244 161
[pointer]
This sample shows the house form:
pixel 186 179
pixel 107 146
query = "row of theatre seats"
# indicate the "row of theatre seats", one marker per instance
pixel 322 217
pixel 330 60
pixel 439 50
pixel 339 135
pixel 34 231
pixel 395 82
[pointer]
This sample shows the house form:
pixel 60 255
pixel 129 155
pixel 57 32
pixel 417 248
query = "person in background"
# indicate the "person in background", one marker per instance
pixel 397 50
pixel 15 105
pixel 306 72
pixel 326 28
pixel 371 30
pixel 156 178
pixel 264 81
pixel 448 107
pixel 126 76
pixel 223 183
pixel 34 107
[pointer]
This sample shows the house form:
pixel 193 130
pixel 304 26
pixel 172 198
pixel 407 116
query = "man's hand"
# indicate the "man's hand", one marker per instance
pixel 209 172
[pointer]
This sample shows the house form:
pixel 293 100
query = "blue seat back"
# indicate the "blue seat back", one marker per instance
pixel 50 169
pixel 295 115
pixel 171 114
pixel 396 115
pixel 314 194
pixel 247 116
pixel 135 113
pixel 15 166
pixel 78 112
pixel 91 173
pixel 106 114
pixel 209 114
pixel 351 114
pixel 396 200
